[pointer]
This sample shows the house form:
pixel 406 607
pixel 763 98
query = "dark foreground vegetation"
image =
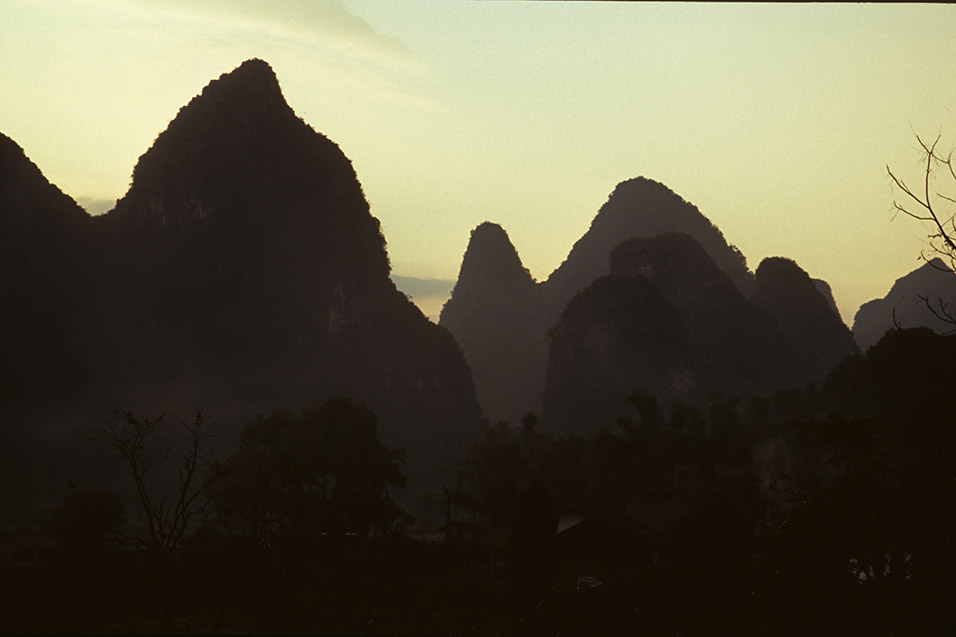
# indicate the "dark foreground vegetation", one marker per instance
pixel 828 510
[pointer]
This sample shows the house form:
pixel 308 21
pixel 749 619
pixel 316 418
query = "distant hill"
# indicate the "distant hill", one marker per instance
pixel 495 314
pixel 639 207
pixel 805 314
pixel 241 272
pixel 508 349
pixel 567 344
pixel 904 305
pixel 744 346
pixel 668 322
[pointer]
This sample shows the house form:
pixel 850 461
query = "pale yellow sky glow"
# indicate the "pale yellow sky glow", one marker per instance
pixel 776 120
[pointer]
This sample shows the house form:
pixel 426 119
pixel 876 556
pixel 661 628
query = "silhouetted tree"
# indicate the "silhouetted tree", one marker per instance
pixel 490 472
pixel 295 478
pixel 166 463
pixel 934 204
pixel 868 522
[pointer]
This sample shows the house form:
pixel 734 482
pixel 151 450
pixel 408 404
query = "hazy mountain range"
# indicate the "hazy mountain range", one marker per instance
pixel 651 297
pixel 240 273
pixel 243 271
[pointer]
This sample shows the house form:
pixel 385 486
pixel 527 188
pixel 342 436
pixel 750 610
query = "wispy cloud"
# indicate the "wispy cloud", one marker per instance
pixel 329 23
pixel 336 45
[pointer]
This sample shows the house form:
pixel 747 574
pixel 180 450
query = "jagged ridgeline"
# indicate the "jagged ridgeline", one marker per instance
pixel 241 272
pixel 652 297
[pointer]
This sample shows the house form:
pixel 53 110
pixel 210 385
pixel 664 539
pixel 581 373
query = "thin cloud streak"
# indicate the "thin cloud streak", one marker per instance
pixel 343 46
pixel 330 24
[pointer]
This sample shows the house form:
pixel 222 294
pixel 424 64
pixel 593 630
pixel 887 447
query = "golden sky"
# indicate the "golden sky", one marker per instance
pixel 776 120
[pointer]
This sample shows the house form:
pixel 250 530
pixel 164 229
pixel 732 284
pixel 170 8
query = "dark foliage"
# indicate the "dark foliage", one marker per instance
pixel 87 522
pixel 735 517
pixel 323 470
pixel 300 490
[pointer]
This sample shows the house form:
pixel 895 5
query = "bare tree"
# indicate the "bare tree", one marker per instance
pixel 930 205
pixel 172 471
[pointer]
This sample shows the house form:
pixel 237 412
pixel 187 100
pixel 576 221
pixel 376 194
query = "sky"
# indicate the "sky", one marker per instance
pixel 776 120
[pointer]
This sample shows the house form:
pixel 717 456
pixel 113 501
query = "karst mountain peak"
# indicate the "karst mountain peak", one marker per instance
pixel 238 151
pixel 243 270
pixel 491 259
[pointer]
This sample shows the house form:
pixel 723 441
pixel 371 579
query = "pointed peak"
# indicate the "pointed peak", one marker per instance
pixel 488 233
pixel 490 246
pixel 251 75
pixel 237 115
pixel 641 183
pixel 250 89
pixel 254 66
pixel 491 259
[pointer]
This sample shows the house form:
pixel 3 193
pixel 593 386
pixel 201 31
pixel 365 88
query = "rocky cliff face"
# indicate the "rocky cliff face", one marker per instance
pixel 905 304
pixel 806 315
pixel 495 314
pixel 243 271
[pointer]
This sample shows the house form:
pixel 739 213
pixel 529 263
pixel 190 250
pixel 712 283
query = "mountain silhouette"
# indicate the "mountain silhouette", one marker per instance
pixel 42 283
pixel 904 305
pixel 243 271
pixel 806 315
pixel 669 323
pixel 504 333
pixel 743 347
pixel 735 333
pixel 824 288
pixel 639 207
pixel 495 314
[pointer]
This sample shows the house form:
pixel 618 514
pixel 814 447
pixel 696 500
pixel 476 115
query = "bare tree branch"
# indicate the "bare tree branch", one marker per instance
pixel 939 307
pixel 144 447
pixel 932 206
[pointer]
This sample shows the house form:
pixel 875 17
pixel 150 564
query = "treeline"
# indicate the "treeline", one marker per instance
pixel 826 510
